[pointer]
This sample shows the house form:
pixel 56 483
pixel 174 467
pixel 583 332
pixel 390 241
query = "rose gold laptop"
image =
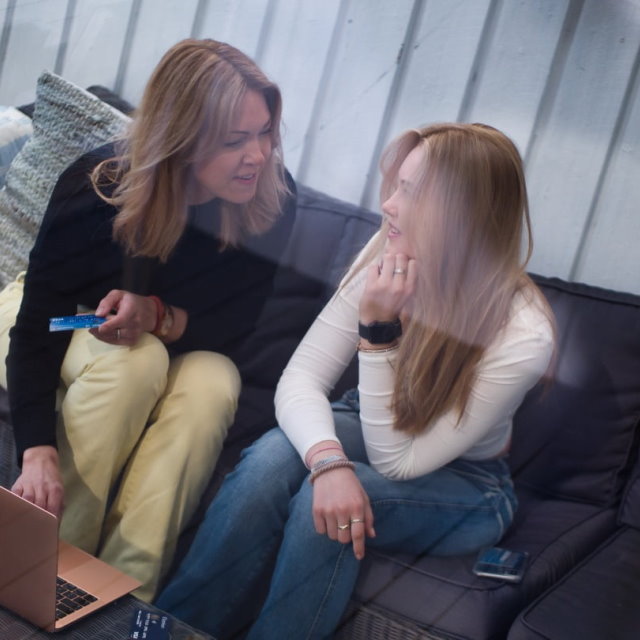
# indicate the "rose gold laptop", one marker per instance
pixel 36 569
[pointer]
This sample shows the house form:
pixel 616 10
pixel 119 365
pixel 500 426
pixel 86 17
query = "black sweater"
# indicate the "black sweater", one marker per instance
pixel 76 262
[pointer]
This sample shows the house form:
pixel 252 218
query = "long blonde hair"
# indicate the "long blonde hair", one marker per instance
pixel 187 108
pixel 471 213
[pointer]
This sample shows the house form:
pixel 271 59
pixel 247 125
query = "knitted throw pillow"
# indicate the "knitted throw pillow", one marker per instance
pixel 15 129
pixel 67 122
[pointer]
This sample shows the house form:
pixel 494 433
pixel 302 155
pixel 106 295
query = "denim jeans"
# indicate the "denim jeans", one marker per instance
pixel 260 525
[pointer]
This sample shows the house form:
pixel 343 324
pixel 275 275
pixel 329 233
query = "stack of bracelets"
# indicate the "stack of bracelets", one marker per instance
pixel 326 464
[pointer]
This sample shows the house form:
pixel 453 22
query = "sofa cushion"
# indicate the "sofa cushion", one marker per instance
pixel 598 599
pixel 578 439
pixel 443 596
pixel 67 121
pixel 630 507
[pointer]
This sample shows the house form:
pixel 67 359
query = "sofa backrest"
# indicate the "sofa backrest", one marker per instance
pixel 326 236
pixel 578 440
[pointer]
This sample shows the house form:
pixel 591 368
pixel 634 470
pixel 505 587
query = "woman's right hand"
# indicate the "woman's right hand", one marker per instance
pixel 133 315
pixel 40 481
pixel 338 499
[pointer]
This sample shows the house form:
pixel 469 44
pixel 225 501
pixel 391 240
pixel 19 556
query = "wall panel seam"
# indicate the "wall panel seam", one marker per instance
pixel 127 45
pixel 484 45
pixel 622 119
pixel 6 33
pixel 368 199
pixel 556 72
pixel 319 100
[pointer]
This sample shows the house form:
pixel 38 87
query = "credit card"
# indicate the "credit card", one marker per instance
pixel 147 625
pixel 69 323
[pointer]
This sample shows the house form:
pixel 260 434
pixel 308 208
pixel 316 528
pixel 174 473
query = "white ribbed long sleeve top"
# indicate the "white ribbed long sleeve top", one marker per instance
pixel 511 365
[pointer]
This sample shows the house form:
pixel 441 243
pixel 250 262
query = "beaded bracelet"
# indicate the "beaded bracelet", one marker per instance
pixel 315 453
pixel 327 460
pixel 336 464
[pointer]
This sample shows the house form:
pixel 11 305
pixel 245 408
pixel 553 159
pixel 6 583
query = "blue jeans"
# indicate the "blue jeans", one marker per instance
pixel 260 525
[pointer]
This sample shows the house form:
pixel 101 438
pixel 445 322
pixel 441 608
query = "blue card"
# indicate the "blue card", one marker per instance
pixel 69 323
pixel 147 625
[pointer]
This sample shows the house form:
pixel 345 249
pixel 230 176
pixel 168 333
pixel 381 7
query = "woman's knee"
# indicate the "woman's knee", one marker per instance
pixel 270 462
pixel 141 368
pixel 205 375
pixel 273 448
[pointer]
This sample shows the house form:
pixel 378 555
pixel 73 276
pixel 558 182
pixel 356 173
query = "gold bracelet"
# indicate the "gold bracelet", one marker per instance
pixel 393 347
pixel 166 322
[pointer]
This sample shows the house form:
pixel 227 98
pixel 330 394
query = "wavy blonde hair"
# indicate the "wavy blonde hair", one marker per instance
pixel 187 109
pixel 471 214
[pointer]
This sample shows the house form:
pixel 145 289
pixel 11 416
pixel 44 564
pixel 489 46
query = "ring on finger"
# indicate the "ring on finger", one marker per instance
pixel 399 270
pixel 343 527
pixel 356 520
pixel 117 334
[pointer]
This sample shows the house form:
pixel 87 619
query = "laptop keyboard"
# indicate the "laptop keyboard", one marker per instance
pixel 70 598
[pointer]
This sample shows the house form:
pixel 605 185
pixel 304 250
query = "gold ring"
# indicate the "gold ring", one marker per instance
pixel 399 270
pixel 343 527
pixel 354 520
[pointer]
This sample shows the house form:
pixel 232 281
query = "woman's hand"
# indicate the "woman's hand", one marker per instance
pixel 339 500
pixel 388 288
pixel 133 316
pixel 40 481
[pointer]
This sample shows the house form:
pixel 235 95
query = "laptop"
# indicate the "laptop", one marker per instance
pixel 36 569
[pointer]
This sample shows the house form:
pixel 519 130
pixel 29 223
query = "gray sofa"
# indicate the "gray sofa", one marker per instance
pixel 574 450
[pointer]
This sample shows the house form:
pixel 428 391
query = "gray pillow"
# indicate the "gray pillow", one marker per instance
pixel 15 129
pixel 67 122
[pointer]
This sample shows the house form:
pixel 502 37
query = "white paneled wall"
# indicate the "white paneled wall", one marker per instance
pixel 559 76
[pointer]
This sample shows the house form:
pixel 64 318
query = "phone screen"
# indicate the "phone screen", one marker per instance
pixel 502 564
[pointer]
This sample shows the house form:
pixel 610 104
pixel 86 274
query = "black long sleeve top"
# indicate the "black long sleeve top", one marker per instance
pixel 75 262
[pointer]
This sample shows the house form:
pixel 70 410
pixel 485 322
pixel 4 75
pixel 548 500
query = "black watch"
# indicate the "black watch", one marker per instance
pixel 380 332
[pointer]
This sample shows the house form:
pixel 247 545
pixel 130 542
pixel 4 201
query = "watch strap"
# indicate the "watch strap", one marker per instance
pixel 380 332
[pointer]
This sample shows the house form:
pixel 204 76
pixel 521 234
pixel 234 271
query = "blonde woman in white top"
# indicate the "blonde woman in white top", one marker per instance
pixel 450 333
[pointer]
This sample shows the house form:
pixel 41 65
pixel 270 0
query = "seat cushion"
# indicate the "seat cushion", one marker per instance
pixel 598 599
pixel 443 596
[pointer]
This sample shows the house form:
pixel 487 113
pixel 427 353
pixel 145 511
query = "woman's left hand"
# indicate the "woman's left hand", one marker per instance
pixel 341 509
pixel 134 315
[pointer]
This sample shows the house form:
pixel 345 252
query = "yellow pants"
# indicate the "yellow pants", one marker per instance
pixel 138 437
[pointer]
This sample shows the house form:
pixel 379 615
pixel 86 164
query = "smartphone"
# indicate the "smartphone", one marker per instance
pixel 69 323
pixel 502 564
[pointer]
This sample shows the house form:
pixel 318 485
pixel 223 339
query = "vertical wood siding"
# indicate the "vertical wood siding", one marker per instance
pixel 559 76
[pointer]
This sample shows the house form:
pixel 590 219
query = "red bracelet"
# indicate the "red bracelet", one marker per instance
pixel 160 311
